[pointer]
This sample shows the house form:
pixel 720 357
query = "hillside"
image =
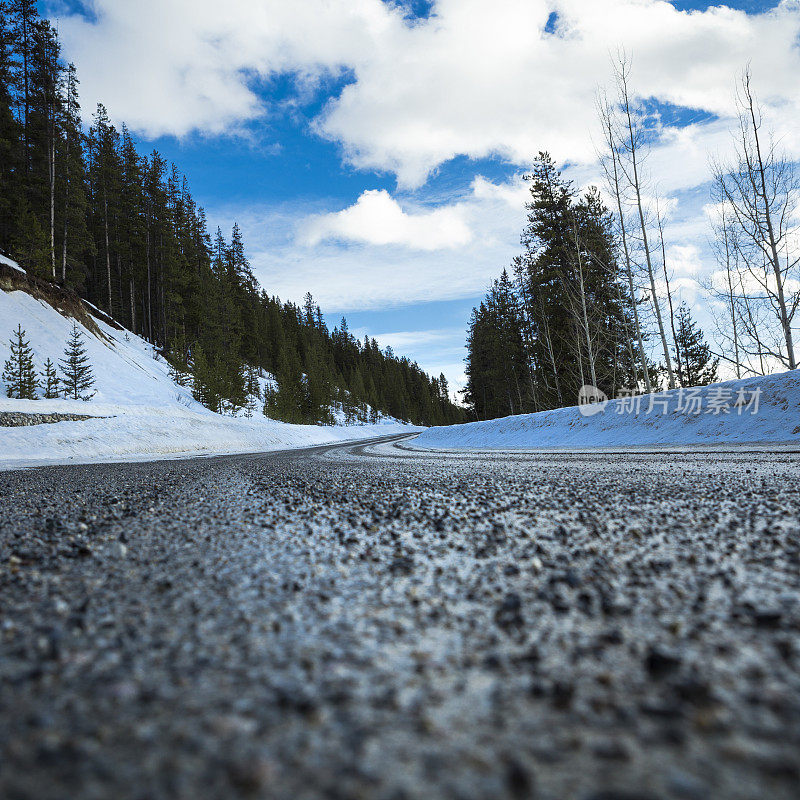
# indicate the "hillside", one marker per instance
pixel 138 411
pixel 768 411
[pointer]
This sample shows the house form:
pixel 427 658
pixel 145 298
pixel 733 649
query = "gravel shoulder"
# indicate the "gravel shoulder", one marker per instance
pixel 366 621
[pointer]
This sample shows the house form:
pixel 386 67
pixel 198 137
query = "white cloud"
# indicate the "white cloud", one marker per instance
pixel 684 261
pixel 178 66
pixel 377 218
pixel 479 77
pixel 436 338
pixel 291 255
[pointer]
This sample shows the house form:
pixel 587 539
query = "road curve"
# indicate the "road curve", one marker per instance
pixel 368 621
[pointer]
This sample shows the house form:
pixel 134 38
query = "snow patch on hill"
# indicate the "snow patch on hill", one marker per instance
pixel 9 263
pixel 744 412
pixel 141 412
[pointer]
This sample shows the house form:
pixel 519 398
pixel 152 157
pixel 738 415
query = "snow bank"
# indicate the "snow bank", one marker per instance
pixel 751 411
pixel 133 433
pixel 141 412
pixel 9 263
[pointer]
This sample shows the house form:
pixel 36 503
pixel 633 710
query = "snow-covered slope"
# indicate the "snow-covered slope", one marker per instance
pixel 141 412
pixel 751 411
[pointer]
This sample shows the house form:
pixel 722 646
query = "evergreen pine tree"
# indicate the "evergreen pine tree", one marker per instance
pixel 203 384
pixel 235 388
pixel 699 366
pixel 19 373
pixel 238 264
pixel 29 241
pixel 290 399
pixel 24 19
pixel 11 154
pixel 444 389
pixel 319 389
pixel 309 310
pixel 105 173
pixel 78 378
pixel 349 407
pixel 50 381
pixel 252 386
pixel 218 383
pixel 178 360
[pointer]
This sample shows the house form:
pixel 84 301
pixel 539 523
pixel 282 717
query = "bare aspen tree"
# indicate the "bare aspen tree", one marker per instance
pixel 660 220
pixel 729 286
pixel 527 315
pixel 51 97
pixel 108 250
pixel 549 342
pixel 613 180
pixel 760 188
pixel 727 291
pixel 70 101
pixel 632 173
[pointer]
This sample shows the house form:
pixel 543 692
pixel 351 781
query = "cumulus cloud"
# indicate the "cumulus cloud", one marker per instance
pixel 180 66
pixel 477 78
pixel 685 260
pixel 292 250
pixel 377 218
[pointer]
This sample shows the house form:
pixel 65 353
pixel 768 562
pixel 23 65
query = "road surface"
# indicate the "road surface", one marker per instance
pixel 366 621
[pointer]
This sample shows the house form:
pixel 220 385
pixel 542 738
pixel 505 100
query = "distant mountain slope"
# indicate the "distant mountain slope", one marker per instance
pixel 754 410
pixel 140 410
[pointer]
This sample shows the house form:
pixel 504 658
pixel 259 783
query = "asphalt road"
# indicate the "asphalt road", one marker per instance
pixel 369 622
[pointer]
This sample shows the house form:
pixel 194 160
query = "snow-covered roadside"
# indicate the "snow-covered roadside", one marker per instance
pixel 140 433
pixel 735 413
pixel 142 413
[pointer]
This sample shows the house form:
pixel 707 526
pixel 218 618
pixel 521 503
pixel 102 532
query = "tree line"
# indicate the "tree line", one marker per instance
pixel 566 317
pixel 85 209
pixel 591 298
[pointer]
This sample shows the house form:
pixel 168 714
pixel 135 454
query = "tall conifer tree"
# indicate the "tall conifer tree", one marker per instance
pixel 699 366
pixel 77 375
pixel 50 381
pixel 19 372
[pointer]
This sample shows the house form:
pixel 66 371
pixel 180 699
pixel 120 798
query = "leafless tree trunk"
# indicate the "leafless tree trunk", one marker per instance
pixel 669 294
pixel 50 105
pixel 70 102
pixel 108 250
pixel 52 165
pixel 633 176
pixel 25 48
pixel 66 218
pixel 760 188
pixel 730 296
pixel 149 303
pixel 613 180
pixel 549 342
pixel 133 306
pixel 726 253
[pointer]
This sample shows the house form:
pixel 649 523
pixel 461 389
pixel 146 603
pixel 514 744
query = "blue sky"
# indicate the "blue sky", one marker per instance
pixel 371 151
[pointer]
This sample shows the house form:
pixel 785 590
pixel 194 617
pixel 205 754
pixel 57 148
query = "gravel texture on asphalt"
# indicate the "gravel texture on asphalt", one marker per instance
pixel 368 622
